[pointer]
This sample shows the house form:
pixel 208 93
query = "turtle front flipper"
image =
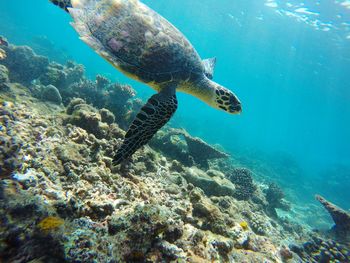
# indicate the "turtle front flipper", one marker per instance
pixel 153 115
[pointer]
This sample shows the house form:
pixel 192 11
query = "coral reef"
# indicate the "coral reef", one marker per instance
pixel 341 218
pixel 190 151
pixel 320 250
pixel 10 144
pixel 243 180
pixel 211 185
pixel 138 230
pixel 61 200
pixel 23 64
pixel 51 93
pixel 275 198
pixel 4 75
pixel 87 118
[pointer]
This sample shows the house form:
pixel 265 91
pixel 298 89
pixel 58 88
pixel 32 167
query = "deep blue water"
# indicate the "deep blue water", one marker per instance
pixel 289 63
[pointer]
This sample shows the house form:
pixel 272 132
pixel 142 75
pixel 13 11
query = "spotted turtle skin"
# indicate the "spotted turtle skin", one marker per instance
pixel 139 41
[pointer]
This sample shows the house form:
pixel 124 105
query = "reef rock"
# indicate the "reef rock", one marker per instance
pixel 51 93
pixel 24 65
pixel 200 150
pixel 191 151
pixel 4 75
pixel 211 185
pixel 61 200
pixel 86 117
pixel 107 116
pixel 340 217
pixel 62 76
pixel 137 230
pixel 275 198
pixel 10 143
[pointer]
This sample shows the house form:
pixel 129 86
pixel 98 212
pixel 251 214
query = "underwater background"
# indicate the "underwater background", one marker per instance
pixel 287 61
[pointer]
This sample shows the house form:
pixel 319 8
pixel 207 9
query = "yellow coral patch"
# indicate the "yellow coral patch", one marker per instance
pixel 244 225
pixel 50 223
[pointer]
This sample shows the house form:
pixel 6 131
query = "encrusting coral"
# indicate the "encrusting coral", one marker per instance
pixel 63 201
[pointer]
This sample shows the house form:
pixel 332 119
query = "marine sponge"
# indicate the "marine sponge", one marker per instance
pixel 50 223
pixel 244 225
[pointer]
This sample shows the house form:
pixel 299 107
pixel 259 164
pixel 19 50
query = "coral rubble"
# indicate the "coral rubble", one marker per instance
pixel 61 200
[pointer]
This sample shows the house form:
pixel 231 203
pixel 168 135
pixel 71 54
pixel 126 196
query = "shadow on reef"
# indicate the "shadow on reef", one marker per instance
pixel 179 145
pixel 182 200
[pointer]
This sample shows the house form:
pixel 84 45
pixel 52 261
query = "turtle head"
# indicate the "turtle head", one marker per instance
pixel 213 94
pixel 226 100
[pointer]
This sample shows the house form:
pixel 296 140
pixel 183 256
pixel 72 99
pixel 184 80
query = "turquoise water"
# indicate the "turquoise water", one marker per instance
pixel 288 62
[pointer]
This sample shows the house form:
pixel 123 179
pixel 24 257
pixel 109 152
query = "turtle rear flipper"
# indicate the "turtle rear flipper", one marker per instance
pixel 153 115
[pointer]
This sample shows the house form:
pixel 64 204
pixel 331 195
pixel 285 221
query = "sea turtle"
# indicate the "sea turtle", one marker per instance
pixel 145 46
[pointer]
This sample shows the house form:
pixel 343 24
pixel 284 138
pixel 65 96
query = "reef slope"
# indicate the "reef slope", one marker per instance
pixel 62 201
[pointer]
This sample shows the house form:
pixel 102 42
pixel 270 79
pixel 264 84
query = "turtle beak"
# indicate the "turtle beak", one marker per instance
pixel 236 105
pixel 236 109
